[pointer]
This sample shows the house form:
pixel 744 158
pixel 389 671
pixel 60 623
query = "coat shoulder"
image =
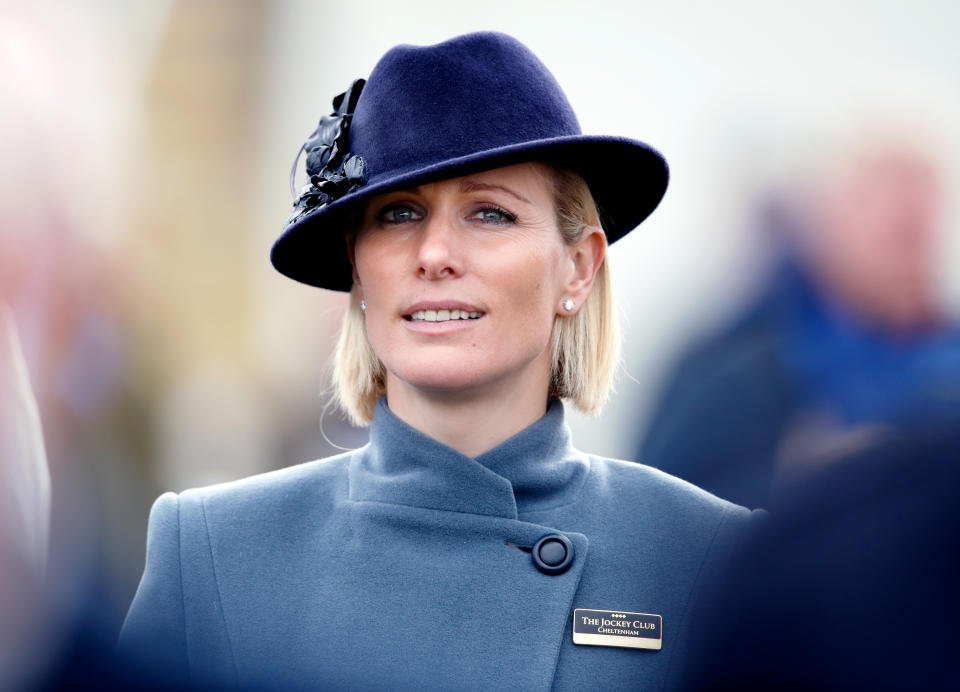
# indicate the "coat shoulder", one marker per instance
pixel 666 501
pixel 313 483
pixel 659 486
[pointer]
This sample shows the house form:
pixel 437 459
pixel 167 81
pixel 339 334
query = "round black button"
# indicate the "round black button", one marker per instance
pixel 553 554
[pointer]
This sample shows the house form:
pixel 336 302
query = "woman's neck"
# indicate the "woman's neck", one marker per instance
pixel 469 422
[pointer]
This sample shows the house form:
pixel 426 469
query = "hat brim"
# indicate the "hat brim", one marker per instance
pixel 626 177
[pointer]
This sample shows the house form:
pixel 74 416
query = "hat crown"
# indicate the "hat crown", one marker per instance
pixel 429 104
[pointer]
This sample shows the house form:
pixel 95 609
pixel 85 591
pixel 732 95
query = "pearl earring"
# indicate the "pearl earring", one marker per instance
pixel 363 305
pixel 568 305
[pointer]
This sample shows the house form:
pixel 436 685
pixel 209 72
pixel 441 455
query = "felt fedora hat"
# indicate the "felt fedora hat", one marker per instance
pixel 427 113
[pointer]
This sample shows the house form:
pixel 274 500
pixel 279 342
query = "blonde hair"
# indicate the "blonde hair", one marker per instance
pixel 585 346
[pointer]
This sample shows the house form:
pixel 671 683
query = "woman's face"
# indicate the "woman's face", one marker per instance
pixel 462 279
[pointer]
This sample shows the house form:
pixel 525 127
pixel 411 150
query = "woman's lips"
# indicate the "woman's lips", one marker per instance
pixel 443 315
pixel 442 311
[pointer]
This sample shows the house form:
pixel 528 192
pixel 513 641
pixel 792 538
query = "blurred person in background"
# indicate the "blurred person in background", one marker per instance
pixel 469 545
pixel 834 401
pixel 851 583
pixel 848 340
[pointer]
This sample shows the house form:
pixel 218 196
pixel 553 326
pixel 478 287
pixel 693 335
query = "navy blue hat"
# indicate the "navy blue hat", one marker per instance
pixel 428 113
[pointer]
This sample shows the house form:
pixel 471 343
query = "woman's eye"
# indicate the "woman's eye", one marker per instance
pixel 398 214
pixel 494 215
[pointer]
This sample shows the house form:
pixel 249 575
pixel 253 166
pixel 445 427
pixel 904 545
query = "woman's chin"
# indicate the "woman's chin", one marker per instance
pixel 452 384
pixel 436 379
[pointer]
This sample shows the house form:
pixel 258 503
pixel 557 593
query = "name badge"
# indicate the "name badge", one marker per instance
pixel 617 628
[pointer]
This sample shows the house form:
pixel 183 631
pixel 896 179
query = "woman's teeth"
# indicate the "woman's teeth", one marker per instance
pixel 443 315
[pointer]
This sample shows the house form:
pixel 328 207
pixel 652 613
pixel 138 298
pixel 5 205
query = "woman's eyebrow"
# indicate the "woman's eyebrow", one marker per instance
pixel 471 186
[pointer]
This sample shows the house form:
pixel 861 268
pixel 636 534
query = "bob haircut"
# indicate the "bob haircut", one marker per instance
pixel 585 346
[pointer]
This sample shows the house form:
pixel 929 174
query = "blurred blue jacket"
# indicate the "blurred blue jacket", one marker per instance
pixel 401 566
pixel 793 353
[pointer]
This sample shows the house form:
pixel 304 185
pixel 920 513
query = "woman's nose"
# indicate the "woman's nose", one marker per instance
pixel 438 254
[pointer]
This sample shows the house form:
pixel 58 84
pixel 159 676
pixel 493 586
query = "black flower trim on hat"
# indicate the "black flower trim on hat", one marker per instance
pixel 332 169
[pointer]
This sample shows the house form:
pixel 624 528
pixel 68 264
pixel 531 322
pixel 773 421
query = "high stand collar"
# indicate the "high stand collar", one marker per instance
pixel 536 469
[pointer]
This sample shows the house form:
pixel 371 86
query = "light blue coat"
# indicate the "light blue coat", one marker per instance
pixel 400 566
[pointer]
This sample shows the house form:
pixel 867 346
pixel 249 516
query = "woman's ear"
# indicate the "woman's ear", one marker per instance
pixel 586 255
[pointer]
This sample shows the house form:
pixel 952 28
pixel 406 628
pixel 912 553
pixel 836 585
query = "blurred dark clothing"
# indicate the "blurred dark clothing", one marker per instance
pixel 83 656
pixel 795 353
pixel 850 583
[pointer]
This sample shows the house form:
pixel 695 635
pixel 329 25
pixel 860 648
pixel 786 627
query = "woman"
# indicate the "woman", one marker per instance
pixel 469 544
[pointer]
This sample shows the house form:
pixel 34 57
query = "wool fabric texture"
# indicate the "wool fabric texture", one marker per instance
pixel 476 102
pixel 397 566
